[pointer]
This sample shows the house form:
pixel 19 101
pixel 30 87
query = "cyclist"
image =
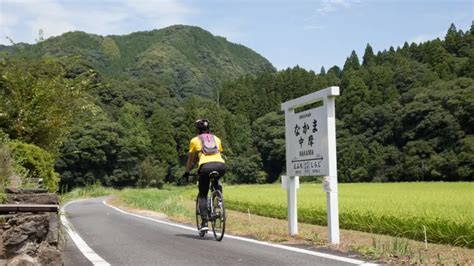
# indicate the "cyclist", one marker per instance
pixel 207 148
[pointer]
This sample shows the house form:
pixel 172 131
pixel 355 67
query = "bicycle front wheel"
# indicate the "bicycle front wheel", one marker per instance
pixel 218 216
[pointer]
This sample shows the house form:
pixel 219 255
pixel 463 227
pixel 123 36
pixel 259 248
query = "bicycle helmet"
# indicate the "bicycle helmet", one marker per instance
pixel 202 125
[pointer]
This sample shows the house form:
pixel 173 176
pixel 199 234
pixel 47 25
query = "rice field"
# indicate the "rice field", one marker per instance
pixel 446 210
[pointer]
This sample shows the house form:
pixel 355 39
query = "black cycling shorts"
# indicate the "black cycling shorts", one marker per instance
pixel 204 171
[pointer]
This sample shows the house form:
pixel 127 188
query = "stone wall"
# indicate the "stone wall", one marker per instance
pixel 30 238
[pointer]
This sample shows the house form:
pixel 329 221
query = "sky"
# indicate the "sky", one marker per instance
pixel 307 33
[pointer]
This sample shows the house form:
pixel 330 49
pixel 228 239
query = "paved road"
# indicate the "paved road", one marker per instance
pixel 123 239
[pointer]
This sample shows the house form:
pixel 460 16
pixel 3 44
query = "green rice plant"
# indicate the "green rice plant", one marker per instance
pixel 397 209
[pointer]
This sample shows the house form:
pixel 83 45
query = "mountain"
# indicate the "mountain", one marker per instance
pixel 175 61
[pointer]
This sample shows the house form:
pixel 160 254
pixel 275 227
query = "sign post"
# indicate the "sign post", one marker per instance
pixel 291 184
pixel 310 137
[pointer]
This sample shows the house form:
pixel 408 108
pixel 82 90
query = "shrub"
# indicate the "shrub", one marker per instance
pixel 6 169
pixel 38 163
pixel 151 173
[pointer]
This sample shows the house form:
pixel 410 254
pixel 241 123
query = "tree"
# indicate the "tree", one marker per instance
pixel 37 162
pixel 38 102
pixel 336 71
pixel 246 169
pixel 454 42
pixel 355 94
pixel 90 154
pixel 322 71
pixel 239 134
pixel 353 158
pixel 369 57
pixel 152 173
pixel 163 143
pixel 465 154
pixel 6 163
pixel 269 139
pixel 352 62
pixel 135 145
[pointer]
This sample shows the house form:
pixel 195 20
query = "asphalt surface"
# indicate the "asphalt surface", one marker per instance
pixel 122 239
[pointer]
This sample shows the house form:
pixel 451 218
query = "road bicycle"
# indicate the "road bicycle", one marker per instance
pixel 215 210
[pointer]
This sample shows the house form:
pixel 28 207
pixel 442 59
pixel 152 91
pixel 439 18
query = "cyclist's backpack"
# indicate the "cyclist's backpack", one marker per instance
pixel 208 144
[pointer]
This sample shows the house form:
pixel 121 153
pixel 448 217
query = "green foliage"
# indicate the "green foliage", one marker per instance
pixel 38 162
pixel 38 101
pixel 169 202
pixel 162 134
pixel 3 137
pixel 404 114
pixel 110 48
pixel 90 154
pixel 269 139
pixel 181 60
pixel 93 190
pixel 6 168
pixel 397 209
pixel 152 173
pixel 352 62
pixel 369 57
pixel 246 169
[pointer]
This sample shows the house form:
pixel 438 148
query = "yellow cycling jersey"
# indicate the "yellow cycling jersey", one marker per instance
pixel 195 146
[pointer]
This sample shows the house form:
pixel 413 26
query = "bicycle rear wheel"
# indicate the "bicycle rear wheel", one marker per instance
pixel 198 218
pixel 218 216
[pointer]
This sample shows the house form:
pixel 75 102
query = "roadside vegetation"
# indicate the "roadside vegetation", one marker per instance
pixel 81 109
pixel 90 191
pixel 445 211
pixel 120 109
pixel 407 210
pixel 170 202
pixel 179 204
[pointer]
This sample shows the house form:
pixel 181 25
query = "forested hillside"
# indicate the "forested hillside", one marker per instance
pixel 120 109
pixel 176 61
pixel 404 114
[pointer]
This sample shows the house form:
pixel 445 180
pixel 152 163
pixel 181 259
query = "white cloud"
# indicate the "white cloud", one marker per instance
pixel 232 31
pixel 428 37
pixel 314 22
pixel 22 19
pixel 155 8
pixel 328 6
pixel 50 27
pixel 7 23
pixel 313 27
pixel 160 13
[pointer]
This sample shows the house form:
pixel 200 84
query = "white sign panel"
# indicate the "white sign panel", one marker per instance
pixel 311 150
pixel 307 143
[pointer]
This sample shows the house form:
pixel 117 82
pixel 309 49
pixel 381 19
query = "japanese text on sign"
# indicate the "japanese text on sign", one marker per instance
pixel 307 143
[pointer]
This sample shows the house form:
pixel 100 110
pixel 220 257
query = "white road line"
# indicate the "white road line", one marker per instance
pixel 93 257
pixel 299 250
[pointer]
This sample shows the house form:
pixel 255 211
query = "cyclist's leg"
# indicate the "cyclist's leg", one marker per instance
pixel 221 168
pixel 203 190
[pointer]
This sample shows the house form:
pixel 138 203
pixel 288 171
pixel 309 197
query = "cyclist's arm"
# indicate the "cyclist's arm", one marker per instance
pixel 191 160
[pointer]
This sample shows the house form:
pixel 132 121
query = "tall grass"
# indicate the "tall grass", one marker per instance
pixel 90 191
pixel 169 202
pixel 397 209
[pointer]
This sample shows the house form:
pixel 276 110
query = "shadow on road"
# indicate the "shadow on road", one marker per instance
pixel 192 236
